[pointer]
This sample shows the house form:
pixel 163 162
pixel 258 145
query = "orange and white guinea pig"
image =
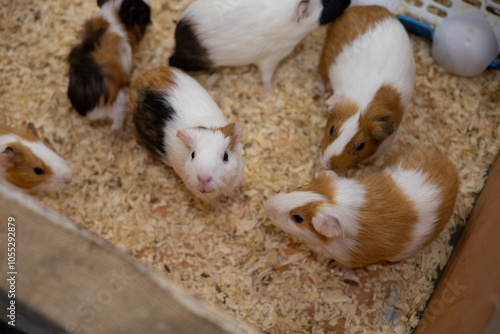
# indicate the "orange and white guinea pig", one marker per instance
pixel 27 163
pixel 100 66
pixel 368 59
pixel 385 216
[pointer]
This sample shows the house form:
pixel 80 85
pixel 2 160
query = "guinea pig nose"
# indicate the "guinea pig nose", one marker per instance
pixel 204 179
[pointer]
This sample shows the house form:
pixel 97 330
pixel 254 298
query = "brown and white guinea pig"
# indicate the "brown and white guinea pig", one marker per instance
pixel 385 216
pixel 213 33
pixel 100 65
pixel 27 163
pixel 369 62
pixel 179 123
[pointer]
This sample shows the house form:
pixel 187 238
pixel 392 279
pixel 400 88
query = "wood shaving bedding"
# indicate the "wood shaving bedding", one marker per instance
pixel 237 260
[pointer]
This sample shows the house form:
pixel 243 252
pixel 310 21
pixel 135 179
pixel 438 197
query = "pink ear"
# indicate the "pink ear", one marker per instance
pixel 328 226
pixel 187 136
pixel 237 130
pixel 7 158
pixel 333 101
pixel 303 10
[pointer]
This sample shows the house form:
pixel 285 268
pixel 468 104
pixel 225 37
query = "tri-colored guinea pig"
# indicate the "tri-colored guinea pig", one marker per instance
pixel 368 60
pixel 28 163
pixel 100 65
pixel 213 33
pixel 178 122
pixel 385 216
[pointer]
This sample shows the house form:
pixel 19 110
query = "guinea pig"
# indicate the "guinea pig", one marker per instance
pixel 27 163
pixel 100 65
pixel 177 121
pixel 212 33
pixel 369 61
pixel 385 216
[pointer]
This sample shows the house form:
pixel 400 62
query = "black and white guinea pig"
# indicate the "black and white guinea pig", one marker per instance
pixel 28 163
pixel 179 123
pixel 100 65
pixel 384 216
pixel 368 59
pixel 212 33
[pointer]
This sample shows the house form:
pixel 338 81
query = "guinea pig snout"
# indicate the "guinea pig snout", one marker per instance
pixel 67 178
pixel 204 183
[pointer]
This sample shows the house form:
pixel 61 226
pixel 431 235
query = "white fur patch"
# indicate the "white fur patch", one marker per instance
pixel 243 32
pixel 346 133
pixel 427 198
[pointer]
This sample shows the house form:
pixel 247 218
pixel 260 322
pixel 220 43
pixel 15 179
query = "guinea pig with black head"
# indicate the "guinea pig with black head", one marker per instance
pixel 100 65
pixel 212 33
pixel 368 59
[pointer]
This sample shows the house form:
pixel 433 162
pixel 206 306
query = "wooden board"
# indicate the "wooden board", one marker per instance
pixel 467 298
pixel 82 284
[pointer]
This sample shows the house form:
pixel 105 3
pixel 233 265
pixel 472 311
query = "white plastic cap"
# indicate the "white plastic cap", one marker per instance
pixel 465 44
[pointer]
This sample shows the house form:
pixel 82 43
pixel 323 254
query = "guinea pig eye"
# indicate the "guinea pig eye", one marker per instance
pixel 38 171
pixel 360 147
pixel 298 219
pixel 192 155
pixel 226 157
pixel 332 129
pixel 326 2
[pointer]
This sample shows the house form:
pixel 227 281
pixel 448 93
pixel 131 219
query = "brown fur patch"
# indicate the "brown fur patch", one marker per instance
pixel 26 134
pixel 380 119
pixel 22 173
pixel 228 131
pixel 107 57
pixel 387 221
pixel 338 116
pixel 355 22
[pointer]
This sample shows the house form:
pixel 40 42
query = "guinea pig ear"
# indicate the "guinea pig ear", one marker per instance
pixel 32 129
pixel 383 128
pixel 9 157
pixel 327 225
pixel 188 137
pixel 303 10
pixel 333 101
pixel 237 131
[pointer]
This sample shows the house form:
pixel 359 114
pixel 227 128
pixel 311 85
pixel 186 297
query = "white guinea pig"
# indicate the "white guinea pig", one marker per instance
pixel 385 216
pixel 179 123
pixel 369 61
pixel 100 66
pixel 27 163
pixel 214 33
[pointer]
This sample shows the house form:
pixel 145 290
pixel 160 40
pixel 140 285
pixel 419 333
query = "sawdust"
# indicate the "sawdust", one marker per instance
pixel 237 260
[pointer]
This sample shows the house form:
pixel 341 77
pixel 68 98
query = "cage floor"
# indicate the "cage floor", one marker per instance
pixel 236 260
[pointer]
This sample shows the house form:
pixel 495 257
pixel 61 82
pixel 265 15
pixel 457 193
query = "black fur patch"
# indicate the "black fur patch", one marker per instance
pixel 150 116
pixel 332 9
pixel 86 82
pixel 189 54
pixel 134 12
